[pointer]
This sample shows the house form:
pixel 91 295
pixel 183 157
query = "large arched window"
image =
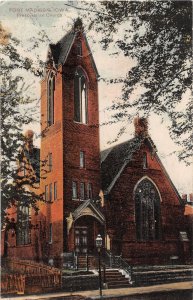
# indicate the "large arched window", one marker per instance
pixel 80 97
pixel 50 104
pixel 147 211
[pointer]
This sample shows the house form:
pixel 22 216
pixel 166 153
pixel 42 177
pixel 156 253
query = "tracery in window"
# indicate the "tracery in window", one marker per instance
pixel 147 211
pixel 80 97
pixel 50 102
pixel 23 232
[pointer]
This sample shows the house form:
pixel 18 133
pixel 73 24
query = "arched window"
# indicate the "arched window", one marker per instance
pixel 147 211
pixel 145 165
pixel 80 97
pixel 23 223
pixel 50 103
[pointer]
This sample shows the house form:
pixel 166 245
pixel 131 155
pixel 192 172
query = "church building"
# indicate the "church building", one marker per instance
pixel 123 193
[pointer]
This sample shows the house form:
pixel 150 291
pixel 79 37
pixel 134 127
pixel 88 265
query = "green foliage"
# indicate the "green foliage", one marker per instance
pixel 158 36
pixel 12 140
pixel 14 115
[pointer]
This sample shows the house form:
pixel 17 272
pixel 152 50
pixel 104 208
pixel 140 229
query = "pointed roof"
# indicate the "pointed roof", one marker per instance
pixel 88 208
pixel 61 49
pixel 115 159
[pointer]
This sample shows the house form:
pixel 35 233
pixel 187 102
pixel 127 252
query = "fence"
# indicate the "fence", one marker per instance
pixel 11 284
pixel 44 281
pixel 29 267
pixel 35 277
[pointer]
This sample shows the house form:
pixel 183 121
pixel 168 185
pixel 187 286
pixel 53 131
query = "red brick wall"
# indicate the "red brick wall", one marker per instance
pixel 64 139
pixel 77 136
pixel 51 142
pixel 120 212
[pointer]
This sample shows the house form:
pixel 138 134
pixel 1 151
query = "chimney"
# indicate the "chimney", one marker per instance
pixel 29 134
pixel 141 126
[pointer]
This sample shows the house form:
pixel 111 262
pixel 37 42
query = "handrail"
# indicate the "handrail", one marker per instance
pixel 28 266
pixel 115 261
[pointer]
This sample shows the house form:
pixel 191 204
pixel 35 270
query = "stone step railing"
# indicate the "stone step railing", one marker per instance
pixel 117 262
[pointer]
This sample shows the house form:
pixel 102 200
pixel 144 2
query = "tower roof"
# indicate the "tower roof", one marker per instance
pixel 61 49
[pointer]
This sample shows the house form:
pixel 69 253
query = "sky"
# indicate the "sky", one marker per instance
pixel 25 19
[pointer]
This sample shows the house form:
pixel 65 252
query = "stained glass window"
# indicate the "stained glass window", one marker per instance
pixel 147 211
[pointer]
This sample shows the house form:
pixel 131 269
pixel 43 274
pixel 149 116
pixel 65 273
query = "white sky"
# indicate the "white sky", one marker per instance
pixel 56 23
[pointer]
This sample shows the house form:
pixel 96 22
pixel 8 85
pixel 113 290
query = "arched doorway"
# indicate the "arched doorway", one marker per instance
pixel 147 211
pixel 86 229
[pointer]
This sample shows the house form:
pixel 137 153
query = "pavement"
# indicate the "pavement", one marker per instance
pixel 163 288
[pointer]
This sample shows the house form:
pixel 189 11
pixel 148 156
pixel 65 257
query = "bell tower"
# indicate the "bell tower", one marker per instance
pixel 70 135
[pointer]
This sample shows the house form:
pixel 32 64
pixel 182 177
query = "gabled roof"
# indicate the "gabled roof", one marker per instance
pixel 61 49
pixel 88 208
pixel 114 159
pixel 169 179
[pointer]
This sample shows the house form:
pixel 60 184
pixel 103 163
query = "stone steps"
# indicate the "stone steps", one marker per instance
pixel 82 262
pixel 114 279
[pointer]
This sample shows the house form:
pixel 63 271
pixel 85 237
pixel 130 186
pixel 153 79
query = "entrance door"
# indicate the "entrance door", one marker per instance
pixel 81 239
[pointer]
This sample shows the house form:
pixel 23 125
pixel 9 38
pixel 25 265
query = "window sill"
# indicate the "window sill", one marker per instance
pixel 79 199
pixel 80 123
pixel 24 245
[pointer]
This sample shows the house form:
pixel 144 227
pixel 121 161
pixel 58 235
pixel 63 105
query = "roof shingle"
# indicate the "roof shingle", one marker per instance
pixel 112 159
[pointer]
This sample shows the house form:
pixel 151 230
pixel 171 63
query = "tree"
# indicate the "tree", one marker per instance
pixel 14 114
pixel 13 187
pixel 157 35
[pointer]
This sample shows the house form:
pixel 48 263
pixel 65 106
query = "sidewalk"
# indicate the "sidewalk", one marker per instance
pixel 112 292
